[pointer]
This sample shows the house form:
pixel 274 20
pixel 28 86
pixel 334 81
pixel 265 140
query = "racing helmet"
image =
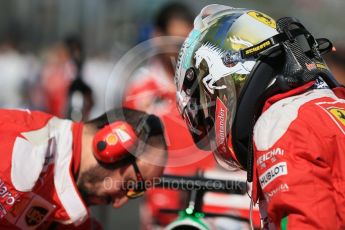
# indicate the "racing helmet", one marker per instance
pixel 231 62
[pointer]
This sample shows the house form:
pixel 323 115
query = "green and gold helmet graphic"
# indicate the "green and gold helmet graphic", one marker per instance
pixel 211 72
pixel 232 61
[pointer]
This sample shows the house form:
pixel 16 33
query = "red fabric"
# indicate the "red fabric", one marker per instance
pixel 340 92
pixel 302 175
pixel 57 76
pixel 14 127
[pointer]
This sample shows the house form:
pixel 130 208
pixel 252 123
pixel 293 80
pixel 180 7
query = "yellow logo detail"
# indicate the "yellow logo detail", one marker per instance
pixel 111 139
pixel 257 48
pixel 263 18
pixel 339 114
pixel 320 65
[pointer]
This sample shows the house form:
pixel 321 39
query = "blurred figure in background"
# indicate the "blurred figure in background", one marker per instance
pixel 96 72
pixel 57 74
pixel 17 70
pixel 154 81
pixel 80 99
pixel 65 92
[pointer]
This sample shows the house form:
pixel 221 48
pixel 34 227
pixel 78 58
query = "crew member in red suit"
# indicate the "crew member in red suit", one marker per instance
pixel 51 169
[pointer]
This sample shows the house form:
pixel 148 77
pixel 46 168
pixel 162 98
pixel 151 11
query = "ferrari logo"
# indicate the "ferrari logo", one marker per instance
pixel 338 114
pixel 263 18
pixel 35 215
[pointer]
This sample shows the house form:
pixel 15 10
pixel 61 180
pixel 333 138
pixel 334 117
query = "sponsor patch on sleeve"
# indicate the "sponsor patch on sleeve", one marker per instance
pixel 272 173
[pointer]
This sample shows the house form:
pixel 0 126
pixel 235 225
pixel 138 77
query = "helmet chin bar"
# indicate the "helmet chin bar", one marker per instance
pixel 289 59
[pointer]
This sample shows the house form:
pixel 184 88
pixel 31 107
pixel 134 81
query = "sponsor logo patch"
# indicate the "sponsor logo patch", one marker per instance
pixel 111 139
pixel 321 66
pixel 6 195
pixel 338 114
pixel 272 173
pixel 310 66
pixel 122 133
pixel 281 188
pixel 335 111
pixel 257 49
pixel 221 134
pixel 35 215
pixel 270 155
pixel 30 212
pixel 8 198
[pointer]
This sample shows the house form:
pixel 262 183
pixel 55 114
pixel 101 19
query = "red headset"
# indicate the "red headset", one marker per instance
pixel 114 141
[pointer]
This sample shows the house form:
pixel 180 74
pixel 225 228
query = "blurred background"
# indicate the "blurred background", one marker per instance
pixel 34 34
pixel 57 56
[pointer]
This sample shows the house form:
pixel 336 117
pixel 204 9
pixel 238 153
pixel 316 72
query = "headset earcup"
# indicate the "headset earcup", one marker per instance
pixel 113 142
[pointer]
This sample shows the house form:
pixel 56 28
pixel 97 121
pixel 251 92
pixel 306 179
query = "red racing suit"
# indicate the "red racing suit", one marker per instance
pixel 299 172
pixel 39 156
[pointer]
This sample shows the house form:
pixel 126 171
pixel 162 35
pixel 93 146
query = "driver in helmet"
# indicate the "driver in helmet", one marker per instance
pixel 258 94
